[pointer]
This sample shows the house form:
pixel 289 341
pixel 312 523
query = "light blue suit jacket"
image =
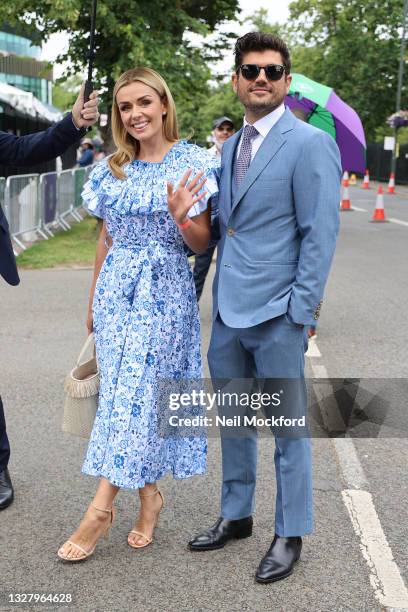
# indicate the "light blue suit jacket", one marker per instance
pixel 278 235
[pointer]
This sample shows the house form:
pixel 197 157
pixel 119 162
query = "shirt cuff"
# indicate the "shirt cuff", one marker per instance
pixel 75 125
pixel 81 129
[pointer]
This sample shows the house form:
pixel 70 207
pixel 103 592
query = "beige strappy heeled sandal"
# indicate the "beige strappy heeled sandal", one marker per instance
pixel 143 535
pixel 88 553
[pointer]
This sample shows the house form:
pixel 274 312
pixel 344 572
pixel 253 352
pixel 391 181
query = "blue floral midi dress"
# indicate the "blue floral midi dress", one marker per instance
pixel 145 318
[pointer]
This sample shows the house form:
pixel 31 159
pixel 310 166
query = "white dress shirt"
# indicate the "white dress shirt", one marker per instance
pixel 263 126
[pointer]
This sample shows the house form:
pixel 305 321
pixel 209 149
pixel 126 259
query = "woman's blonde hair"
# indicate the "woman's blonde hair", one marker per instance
pixel 127 146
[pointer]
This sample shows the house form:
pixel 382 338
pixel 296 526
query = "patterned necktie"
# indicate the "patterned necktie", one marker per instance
pixel 244 157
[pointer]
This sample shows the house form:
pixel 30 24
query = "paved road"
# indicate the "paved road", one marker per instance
pixel 346 565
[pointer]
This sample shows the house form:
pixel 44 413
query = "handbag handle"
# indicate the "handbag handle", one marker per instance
pixel 90 340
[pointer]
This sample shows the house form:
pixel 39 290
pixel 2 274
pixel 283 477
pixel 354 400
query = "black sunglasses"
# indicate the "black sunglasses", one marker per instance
pixel 250 72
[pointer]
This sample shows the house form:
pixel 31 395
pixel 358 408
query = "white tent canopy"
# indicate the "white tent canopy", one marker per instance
pixel 26 103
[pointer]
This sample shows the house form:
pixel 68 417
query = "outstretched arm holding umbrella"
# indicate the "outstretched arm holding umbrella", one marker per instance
pixel 49 144
pixel 21 151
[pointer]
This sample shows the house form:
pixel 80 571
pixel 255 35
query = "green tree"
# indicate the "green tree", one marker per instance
pixel 65 92
pixel 147 32
pixel 260 23
pixel 352 46
pixel 222 99
pixel 221 102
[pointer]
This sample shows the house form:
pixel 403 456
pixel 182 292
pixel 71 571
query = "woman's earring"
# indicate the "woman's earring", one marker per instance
pixel 164 114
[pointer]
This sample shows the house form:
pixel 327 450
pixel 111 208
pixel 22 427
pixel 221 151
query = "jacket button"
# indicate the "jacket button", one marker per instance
pixel 230 231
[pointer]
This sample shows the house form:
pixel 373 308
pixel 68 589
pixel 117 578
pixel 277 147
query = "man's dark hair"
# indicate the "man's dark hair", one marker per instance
pixel 261 41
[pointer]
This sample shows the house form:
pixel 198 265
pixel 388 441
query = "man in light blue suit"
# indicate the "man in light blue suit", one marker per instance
pixel 279 216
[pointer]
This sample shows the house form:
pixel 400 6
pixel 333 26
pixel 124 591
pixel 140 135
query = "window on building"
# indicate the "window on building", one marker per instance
pixel 18 45
pixel 41 88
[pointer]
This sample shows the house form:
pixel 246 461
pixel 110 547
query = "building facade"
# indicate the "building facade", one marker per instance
pixel 21 67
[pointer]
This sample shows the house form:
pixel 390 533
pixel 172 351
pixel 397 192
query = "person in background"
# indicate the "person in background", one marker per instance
pixel 25 151
pixel 223 128
pixel 99 153
pixel 87 153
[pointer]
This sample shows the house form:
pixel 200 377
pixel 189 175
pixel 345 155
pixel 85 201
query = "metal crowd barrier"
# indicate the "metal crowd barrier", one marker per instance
pixel 48 200
pixel 35 205
pixel 80 177
pixel 22 208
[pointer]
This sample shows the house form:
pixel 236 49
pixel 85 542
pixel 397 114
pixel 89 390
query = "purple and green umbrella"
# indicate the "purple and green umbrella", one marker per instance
pixel 320 106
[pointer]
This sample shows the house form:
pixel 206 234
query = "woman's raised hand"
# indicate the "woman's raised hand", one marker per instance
pixel 183 198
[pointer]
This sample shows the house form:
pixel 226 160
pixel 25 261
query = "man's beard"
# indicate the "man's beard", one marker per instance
pixel 260 106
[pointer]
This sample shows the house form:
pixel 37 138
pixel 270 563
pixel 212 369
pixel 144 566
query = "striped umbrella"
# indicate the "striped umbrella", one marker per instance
pixel 320 106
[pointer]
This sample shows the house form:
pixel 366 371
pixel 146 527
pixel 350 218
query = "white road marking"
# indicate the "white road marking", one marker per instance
pixel 313 349
pixel 398 221
pixel 319 371
pixel 350 464
pixel 358 209
pixel 390 219
pixel 385 578
pixel 351 467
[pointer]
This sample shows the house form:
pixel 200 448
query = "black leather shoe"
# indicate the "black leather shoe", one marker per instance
pixel 6 489
pixel 279 560
pixel 220 533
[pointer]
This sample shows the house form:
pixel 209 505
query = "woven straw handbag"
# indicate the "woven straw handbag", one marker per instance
pixel 82 392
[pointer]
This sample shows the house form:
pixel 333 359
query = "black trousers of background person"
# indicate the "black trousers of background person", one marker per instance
pixel 201 267
pixel 4 443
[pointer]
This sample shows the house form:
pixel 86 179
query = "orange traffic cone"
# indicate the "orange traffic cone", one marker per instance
pixel 391 184
pixel 366 182
pixel 379 215
pixel 345 201
pixel 345 177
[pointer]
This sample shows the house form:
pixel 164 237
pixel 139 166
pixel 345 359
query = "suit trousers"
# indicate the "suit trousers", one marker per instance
pixel 271 351
pixel 201 266
pixel 4 442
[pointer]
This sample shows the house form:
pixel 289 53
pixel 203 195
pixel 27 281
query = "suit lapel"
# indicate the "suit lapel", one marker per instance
pixel 273 142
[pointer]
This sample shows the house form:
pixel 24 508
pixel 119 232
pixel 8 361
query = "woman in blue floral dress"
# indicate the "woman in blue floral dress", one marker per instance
pixel 143 308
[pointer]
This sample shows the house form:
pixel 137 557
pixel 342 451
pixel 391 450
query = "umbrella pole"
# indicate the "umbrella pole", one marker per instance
pixel 91 55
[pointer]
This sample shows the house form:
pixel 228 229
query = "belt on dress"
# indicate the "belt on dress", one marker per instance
pixel 145 261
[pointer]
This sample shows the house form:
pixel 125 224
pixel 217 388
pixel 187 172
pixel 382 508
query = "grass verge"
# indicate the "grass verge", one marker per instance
pixel 75 247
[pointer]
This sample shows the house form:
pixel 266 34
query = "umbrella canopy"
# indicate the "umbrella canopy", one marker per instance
pixel 320 106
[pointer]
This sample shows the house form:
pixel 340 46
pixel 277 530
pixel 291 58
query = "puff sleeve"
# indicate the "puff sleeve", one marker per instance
pixel 93 193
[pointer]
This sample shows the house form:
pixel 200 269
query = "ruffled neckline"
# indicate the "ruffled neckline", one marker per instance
pixel 144 189
pixel 137 162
